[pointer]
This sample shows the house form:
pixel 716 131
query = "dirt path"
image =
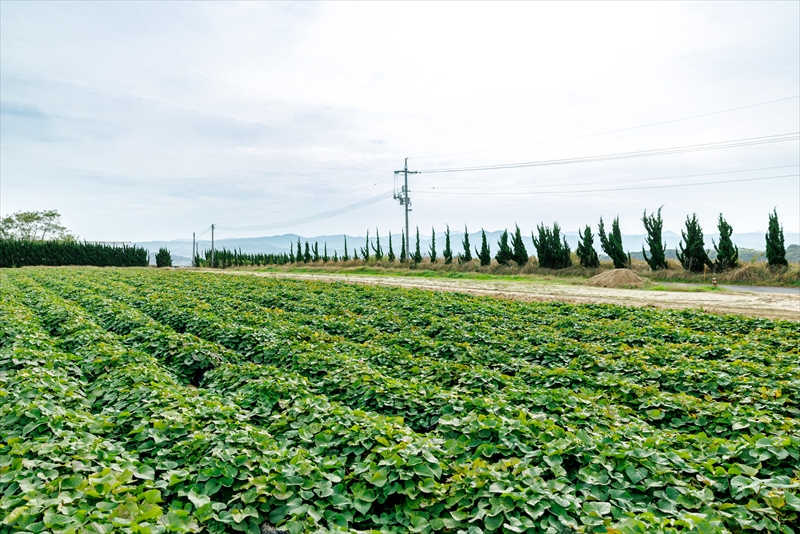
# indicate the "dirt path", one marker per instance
pixel 771 306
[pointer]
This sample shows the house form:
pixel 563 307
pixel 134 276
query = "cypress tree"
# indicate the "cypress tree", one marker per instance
pixel 346 256
pixel 727 252
pixel 307 254
pixel 335 257
pixel 365 250
pixel 355 253
pixel 417 257
pixel 315 250
pixel 447 253
pixel 585 250
pixel 653 224
pixel 693 257
pixel 391 256
pixel 467 256
pixel 520 254
pixel 377 247
pixel 291 252
pixel 612 244
pixel 484 255
pixel 325 256
pixel 776 251
pixel 299 255
pixel 504 254
pixel 551 249
pixel 163 258
pixel 432 248
pixel 403 252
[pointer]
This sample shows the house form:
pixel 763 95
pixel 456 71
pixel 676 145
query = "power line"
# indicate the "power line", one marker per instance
pixel 629 155
pixel 570 184
pixel 309 203
pixel 319 216
pixel 604 190
pixel 610 131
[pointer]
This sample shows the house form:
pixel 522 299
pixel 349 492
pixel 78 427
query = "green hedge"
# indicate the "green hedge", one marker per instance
pixel 19 253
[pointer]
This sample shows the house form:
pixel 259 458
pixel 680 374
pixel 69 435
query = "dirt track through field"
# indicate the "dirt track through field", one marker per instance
pixel 773 306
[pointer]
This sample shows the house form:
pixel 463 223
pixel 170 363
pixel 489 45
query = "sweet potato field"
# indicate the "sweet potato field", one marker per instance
pixel 145 402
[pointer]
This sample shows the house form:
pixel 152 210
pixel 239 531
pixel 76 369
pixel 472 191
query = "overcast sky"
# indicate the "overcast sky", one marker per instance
pixel 146 120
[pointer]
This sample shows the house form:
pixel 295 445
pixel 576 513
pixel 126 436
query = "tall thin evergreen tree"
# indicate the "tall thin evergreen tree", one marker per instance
pixel 403 251
pixel 377 247
pixel 467 255
pixel 291 252
pixel 727 252
pixel 693 256
pixel 417 257
pixel 335 258
pixel 390 256
pixel 315 252
pixel 325 256
pixel 447 252
pixel 776 249
pixel 299 254
pixel 612 244
pixel 658 249
pixel 520 254
pixel 346 256
pixel 365 250
pixel 504 254
pixel 307 253
pixel 432 248
pixel 585 250
pixel 551 252
pixel 484 255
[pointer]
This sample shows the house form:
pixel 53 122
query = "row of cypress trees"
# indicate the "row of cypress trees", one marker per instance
pixel 552 250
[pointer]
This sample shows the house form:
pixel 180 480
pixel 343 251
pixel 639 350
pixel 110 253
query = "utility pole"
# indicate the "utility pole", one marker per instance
pixel 194 251
pixel 212 246
pixel 402 196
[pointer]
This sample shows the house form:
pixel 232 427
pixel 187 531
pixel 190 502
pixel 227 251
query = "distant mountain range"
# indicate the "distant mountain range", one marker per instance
pixel 181 249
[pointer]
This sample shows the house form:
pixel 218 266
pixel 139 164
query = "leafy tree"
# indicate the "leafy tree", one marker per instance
pixel 432 248
pixel 658 249
pixel 467 255
pixel 585 250
pixel 346 256
pixel 776 251
pixel 34 226
pixel 307 254
pixel 391 255
pixel 727 252
pixel 520 254
pixel 377 248
pixel 484 255
pixel 315 251
pixel 447 252
pixel 612 244
pixel 552 252
pixel 403 252
pixel 365 250
pixel 163 258
pixel 291 252
pixel 325 256
pixel 504 254
pixel 417 257
pixel 693 257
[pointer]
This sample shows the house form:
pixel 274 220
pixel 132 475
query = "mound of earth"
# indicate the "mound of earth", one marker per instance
pixel 617 278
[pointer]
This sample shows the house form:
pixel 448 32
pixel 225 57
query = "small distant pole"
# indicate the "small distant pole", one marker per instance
pixel 194 251
pixel 212 246
pixel 404 199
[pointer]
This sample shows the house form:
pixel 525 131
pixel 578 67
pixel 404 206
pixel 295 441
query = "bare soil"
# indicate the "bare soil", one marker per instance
pixel 772 306
pixel 617 278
